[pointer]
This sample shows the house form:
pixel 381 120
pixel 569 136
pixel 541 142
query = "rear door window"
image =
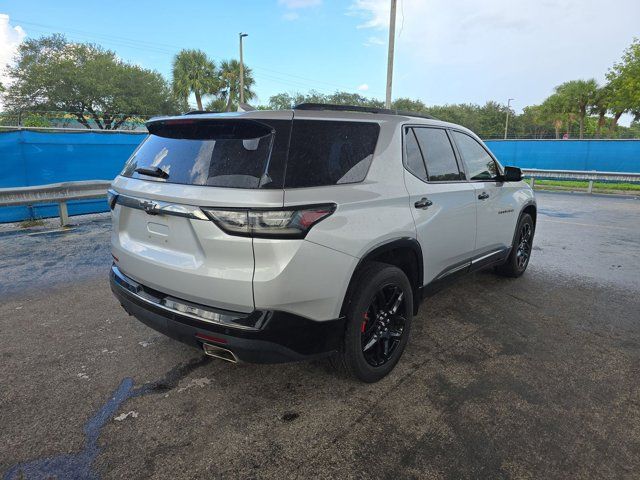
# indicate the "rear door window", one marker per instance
pixel 438 154
pixel 329 152
pixel 219 153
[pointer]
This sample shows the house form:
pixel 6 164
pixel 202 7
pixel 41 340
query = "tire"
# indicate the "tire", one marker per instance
pixel 369 351
pixel 518 259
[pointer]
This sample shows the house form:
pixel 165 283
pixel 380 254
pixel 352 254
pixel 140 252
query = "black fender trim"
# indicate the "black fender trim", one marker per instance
pixel 397 244
pixel 529 203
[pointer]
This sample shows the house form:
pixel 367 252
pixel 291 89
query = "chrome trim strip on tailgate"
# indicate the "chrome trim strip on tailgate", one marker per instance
pixel 250 321
pixel 158 207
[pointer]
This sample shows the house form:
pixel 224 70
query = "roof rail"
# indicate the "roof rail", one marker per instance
pixel 358 108
pixel 342 108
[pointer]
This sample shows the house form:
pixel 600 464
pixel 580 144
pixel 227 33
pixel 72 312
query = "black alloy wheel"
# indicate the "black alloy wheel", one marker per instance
pixel 382 325
pixel 378 315
pixel 518 259
pixel 524 246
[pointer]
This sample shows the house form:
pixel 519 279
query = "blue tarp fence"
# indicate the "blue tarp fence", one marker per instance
pixel 600 155
pixel 39 157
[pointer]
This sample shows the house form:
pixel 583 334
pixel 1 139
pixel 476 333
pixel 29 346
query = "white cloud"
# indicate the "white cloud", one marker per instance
pixel 470 51
pixel 363 88
pixel 299 3
pixel 10 38
pixel 375 13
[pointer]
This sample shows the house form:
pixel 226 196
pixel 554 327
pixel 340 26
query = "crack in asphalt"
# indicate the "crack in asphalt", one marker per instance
pixel 80 465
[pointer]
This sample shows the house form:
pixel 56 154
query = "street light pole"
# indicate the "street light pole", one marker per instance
pixel 506 122
pixel 392 37
pixel 241 35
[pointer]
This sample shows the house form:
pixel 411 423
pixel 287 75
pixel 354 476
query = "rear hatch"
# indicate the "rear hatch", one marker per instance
pixel 161 236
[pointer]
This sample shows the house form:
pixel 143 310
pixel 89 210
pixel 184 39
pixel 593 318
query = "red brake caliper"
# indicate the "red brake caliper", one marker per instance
pixel 364 322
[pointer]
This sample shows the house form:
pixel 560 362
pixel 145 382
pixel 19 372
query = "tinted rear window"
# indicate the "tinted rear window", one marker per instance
pixel 415 163
pixel 329 152
pixel 221 153
pixel 438 154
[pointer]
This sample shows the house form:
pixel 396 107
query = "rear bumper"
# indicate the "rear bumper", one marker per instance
pixel 259 337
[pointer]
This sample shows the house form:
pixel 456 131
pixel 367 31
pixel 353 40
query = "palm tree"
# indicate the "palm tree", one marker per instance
pixel 553 111
pixel 229 76
pixel 600 106
pixel 193 72
pixel 577 96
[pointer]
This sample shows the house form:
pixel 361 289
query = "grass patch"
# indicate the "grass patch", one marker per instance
pixel 584 185
pixel 32 222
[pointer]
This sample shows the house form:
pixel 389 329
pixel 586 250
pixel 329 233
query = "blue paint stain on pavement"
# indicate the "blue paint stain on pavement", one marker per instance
pixel 79 465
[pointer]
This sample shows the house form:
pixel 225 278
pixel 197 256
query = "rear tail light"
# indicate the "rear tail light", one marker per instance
pixel 112 198
pixel 278 223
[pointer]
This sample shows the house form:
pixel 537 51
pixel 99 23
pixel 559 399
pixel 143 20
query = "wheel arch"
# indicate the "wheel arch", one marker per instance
pixel 404 253
pixel 532 209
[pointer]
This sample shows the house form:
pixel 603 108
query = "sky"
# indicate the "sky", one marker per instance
pixel 447 51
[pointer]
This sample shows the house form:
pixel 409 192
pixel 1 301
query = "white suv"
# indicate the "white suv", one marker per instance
pixel 270 236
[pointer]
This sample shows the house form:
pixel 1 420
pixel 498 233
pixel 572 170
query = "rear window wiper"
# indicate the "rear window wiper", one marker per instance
pixel 152 172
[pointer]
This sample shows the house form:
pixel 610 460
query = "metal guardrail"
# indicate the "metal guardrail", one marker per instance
pixel 59 193
pixel 581 175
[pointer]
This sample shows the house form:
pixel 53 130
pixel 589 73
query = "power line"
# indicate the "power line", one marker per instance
pixel 169 50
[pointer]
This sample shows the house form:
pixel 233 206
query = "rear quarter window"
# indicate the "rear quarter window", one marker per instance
pixel 329 152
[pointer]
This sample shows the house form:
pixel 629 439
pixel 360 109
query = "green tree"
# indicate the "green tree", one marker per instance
pixel 281 101
pixel 409 105
pixel 534 122
pixel 284 101
pixel 600 107
pixel 229 80
pixel 34 120
pixel 346 98
pixel 51 74
pixel 193 72
pixel 624 81
pixel 577 96
pixel 554 111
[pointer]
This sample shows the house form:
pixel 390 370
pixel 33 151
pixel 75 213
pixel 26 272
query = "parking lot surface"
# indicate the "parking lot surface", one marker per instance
pixel 534 377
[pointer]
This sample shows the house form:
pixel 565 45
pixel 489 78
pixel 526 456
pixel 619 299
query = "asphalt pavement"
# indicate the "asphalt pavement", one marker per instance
pixel 535 377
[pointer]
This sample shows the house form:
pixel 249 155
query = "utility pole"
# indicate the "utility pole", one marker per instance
pixel 506 122
pixel 242 35
pixel 392 38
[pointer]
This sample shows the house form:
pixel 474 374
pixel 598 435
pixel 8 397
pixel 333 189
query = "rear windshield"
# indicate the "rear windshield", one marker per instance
pixel 237 154
pixel 253 154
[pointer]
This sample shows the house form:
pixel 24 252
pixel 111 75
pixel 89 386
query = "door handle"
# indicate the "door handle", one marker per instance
pixel 423 203
pixel 483 196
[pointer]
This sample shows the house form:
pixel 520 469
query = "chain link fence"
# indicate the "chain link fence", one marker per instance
pixel 67 120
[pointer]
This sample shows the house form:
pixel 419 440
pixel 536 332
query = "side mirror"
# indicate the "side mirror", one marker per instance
pixel 512 174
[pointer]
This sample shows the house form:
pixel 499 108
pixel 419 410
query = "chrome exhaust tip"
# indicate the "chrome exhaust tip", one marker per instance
pixel 219 352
